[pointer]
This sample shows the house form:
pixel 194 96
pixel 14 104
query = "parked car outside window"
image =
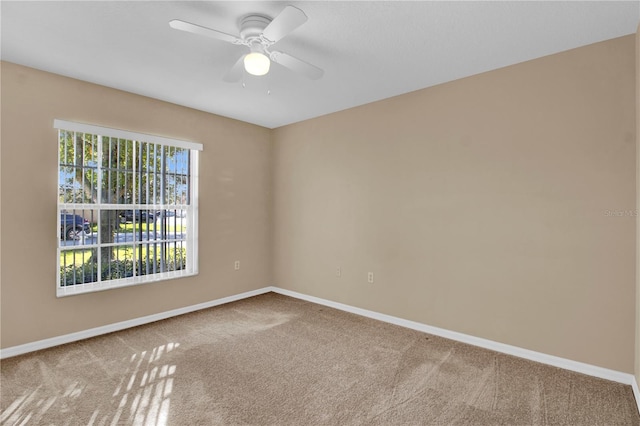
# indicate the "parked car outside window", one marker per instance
pixel 72 226
pixel 141 216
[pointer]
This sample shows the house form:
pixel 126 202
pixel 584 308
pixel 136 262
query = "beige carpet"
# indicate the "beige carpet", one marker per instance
pixel 274 360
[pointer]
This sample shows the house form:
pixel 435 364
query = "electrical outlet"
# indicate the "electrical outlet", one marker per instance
pixel 236 266
pixel 370 277
pixel 339 272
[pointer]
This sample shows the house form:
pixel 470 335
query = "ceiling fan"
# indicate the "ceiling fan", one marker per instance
pixel 259 33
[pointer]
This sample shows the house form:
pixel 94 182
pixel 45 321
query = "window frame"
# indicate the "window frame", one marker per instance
pixel 191 207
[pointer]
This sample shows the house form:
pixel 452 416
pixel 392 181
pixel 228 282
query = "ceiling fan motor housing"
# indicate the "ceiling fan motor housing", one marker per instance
pixel 252 26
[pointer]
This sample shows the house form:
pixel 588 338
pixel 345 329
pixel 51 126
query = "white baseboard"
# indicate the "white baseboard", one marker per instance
pixel 93 332
pixel 555 361
pixel 636 392
pixel 567 364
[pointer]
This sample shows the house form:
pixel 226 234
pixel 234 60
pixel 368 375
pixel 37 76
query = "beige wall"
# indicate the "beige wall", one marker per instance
pixel 235 204
pixel 480 205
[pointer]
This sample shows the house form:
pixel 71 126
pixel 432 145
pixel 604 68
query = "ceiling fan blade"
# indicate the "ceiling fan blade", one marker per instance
pixel 297 65
pixel 207 32
pixel 235 73
pixel 288 20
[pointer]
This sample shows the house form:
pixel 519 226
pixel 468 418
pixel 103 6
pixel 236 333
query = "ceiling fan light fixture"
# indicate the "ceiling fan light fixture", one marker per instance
pixel 256 63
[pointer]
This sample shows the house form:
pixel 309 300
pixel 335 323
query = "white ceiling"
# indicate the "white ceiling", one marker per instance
pixel 370 50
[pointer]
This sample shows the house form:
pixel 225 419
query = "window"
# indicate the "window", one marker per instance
pixel 127 208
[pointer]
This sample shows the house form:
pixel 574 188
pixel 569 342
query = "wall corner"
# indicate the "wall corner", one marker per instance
pixel 637 334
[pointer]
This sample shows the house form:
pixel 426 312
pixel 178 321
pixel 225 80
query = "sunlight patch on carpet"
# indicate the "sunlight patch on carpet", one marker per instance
pixel 148 389
pixel 141 397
